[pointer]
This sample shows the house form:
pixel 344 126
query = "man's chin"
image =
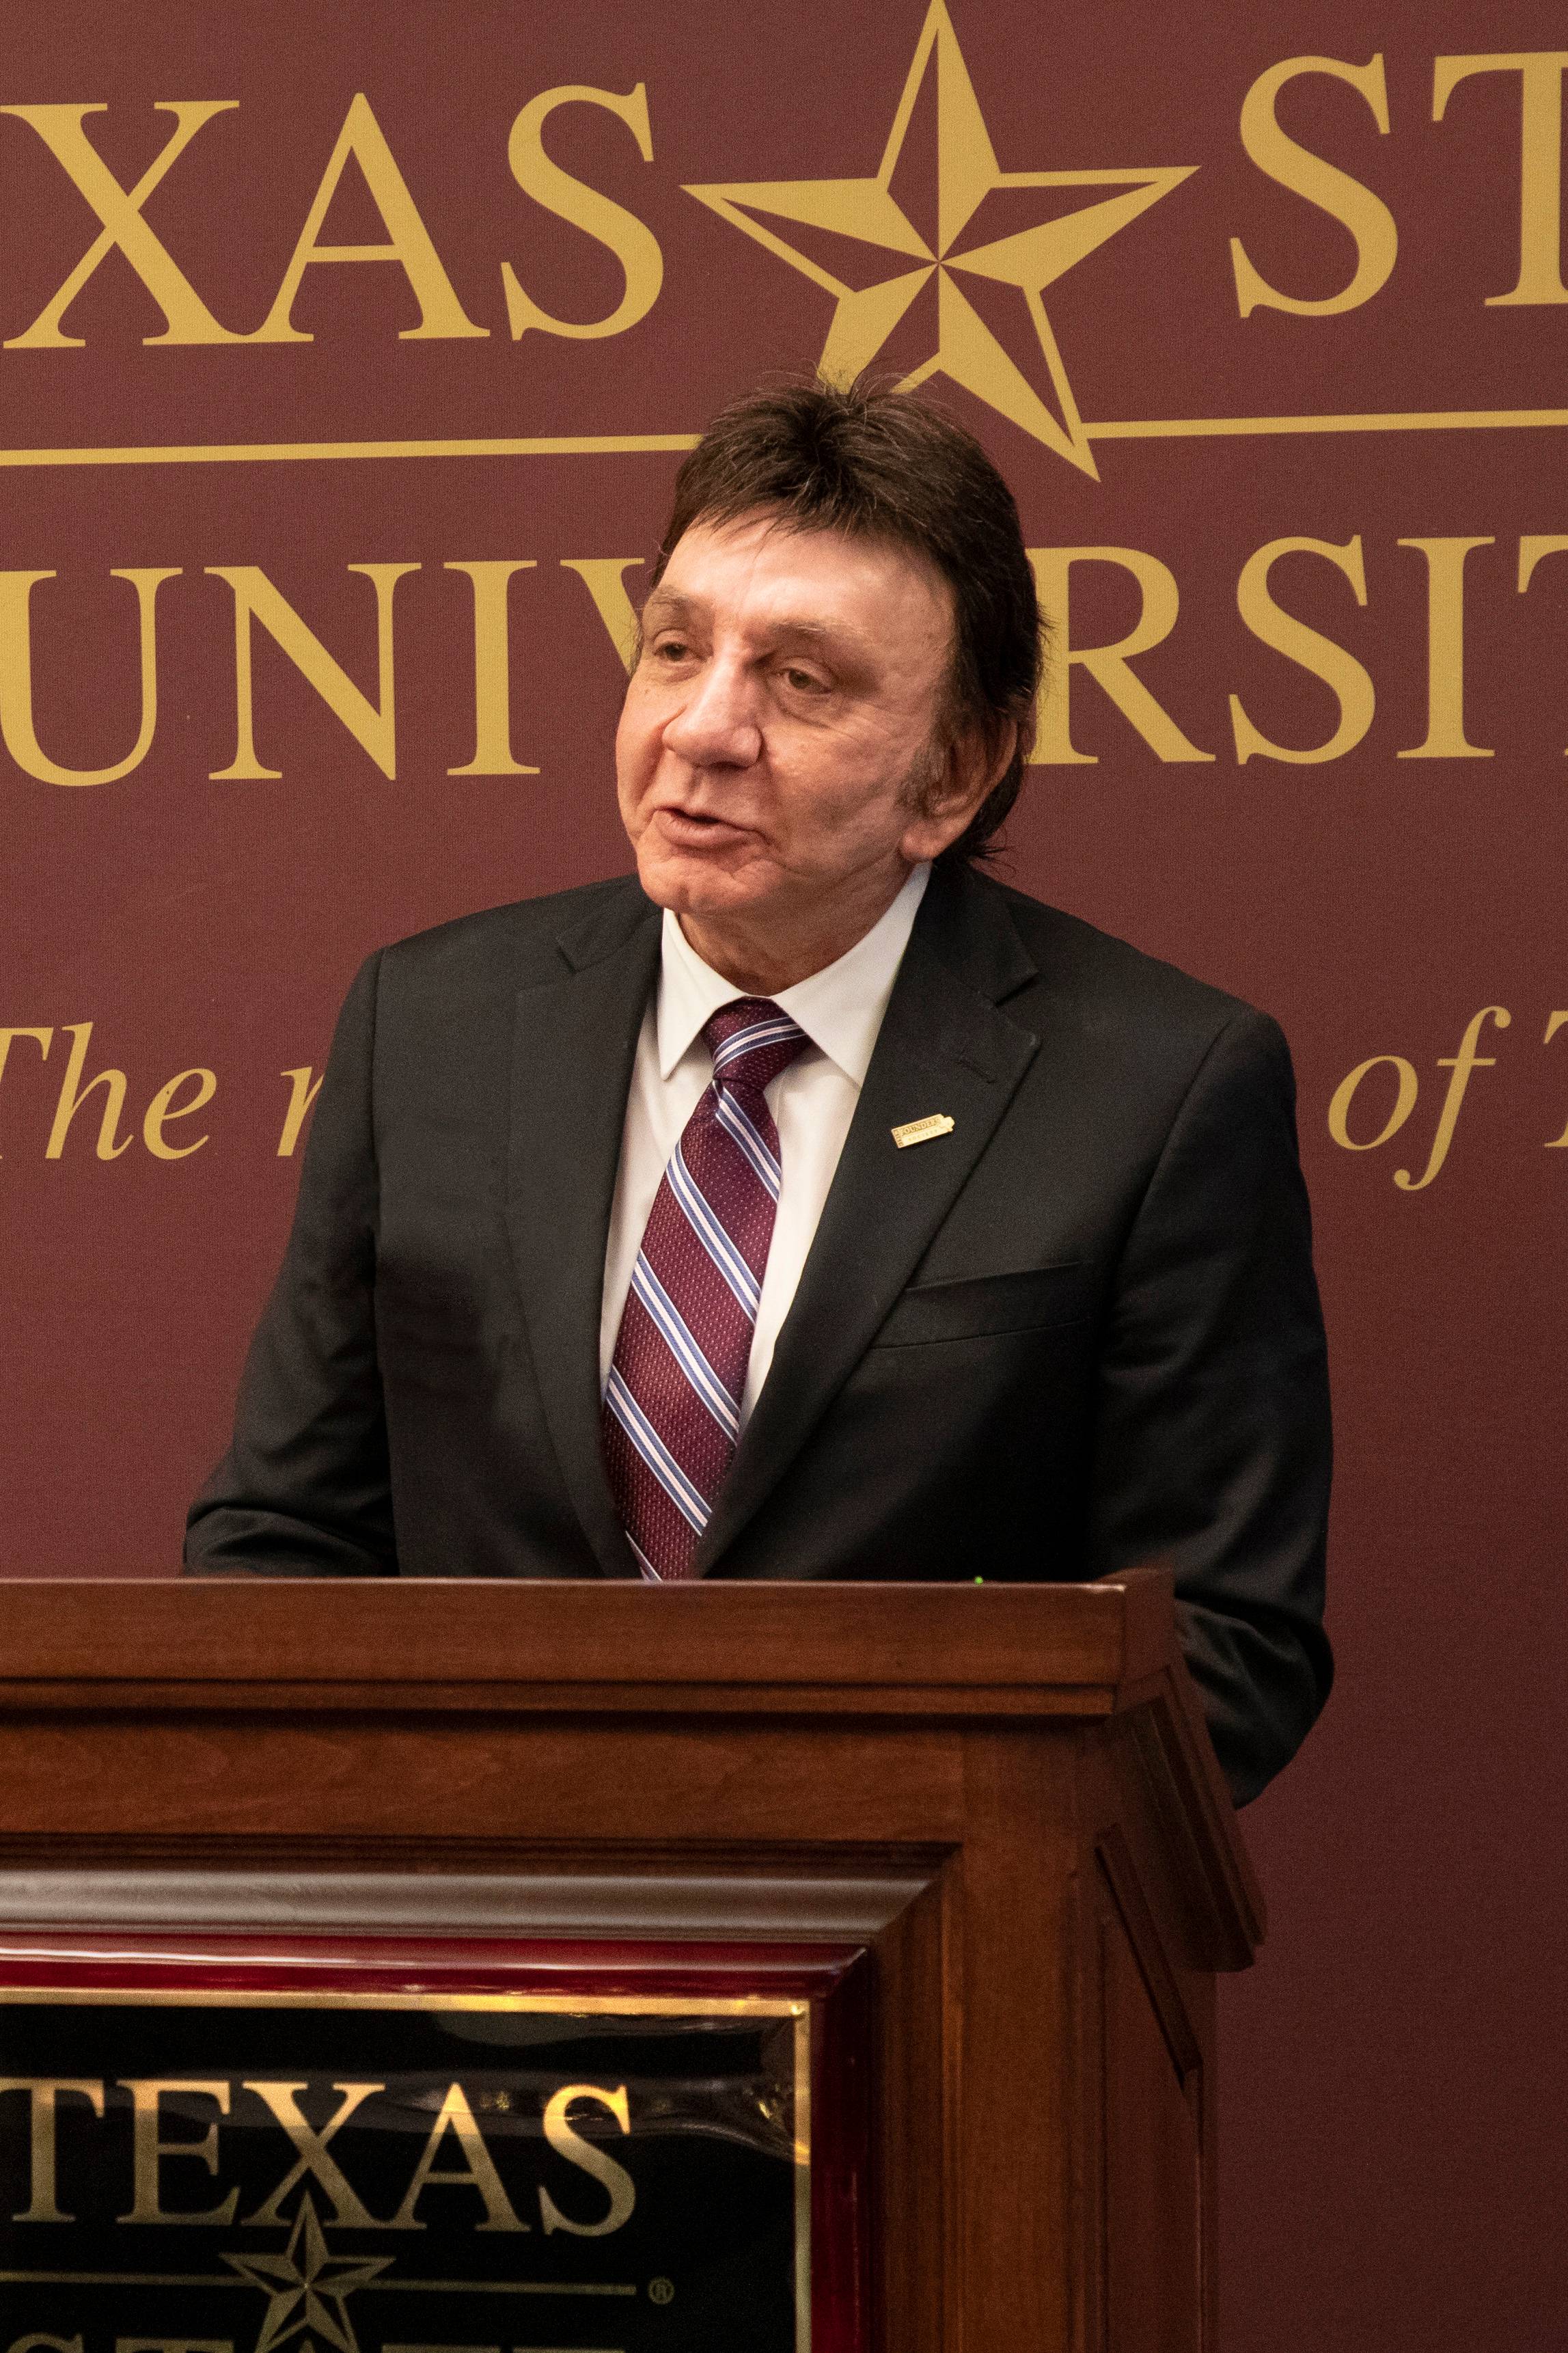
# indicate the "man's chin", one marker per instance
pixel 693 881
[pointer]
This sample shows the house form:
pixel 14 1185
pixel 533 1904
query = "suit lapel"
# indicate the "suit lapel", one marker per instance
pixel 944 1047
pixel 575 1040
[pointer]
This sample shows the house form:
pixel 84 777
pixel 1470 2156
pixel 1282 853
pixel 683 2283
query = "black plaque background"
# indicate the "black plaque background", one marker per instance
pixel 711 2152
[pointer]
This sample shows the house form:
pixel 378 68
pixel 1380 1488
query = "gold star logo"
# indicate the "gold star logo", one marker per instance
pixel 302 2286
pixel 967 172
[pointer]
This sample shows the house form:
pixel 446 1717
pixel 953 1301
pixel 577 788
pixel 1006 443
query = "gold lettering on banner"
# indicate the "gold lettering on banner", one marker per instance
pixel 73 1094
pixel 1345 677
pixel 476 2171
pixel 492 669
pixel 1461 1064
pixel 372 725
pixel 590 2160
pixel 36 2344
pixel 186 318
pixel 1109 665
pixel 1539 74
pixel 150 2150
pixel 303 1087
pixel 631 241
pixel 1557 1021
pixel 1445 738
pixel 43 2093
pixel 604 577
pixel 1531 550
pixel 1345 1095
pixel 940 109
pixel 441 315
pixel 1334 192
pixel 314 2163
pixel 198 1085
pixel 17 723
pixel 163 1108
pixel 45 1040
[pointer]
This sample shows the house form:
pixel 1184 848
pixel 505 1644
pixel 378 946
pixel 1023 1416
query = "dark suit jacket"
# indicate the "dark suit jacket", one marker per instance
pixel 1079 1332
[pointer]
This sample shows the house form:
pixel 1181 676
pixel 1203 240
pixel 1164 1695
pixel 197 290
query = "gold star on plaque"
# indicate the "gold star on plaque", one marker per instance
pixel 303 2283
pixel 966 173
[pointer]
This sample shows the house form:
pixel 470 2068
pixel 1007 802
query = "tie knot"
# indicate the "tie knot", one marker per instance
pixel 750 1042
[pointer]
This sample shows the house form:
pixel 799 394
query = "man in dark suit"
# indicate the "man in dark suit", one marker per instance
pixel 852 1216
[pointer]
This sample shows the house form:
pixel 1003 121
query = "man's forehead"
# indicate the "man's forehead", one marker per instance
pixel 810 580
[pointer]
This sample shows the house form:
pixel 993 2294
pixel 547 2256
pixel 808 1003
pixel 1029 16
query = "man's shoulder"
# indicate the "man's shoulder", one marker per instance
pixel 1100 979
pixel 1114 1023
pixel 522 945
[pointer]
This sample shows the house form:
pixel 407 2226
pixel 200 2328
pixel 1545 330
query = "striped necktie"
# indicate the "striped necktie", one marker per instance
pixel 672 1404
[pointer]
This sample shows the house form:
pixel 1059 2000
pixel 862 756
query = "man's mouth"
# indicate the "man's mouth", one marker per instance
pixel 695 827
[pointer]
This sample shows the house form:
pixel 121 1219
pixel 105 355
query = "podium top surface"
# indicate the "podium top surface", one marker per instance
pixel 986 1649
pixel 95 1652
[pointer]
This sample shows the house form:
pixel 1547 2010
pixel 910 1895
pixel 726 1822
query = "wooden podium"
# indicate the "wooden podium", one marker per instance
pixel 1004 1793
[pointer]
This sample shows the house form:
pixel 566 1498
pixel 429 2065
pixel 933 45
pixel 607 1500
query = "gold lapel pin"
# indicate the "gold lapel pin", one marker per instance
pixel 920 1131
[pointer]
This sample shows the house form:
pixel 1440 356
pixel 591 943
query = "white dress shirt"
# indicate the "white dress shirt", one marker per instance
pixel 840 1008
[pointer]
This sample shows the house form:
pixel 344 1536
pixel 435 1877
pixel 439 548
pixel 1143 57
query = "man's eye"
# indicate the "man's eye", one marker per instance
pixel 802 683
pixel 671 650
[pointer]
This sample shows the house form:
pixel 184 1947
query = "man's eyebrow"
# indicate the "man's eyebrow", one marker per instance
pixel 816 633
pixel 668 605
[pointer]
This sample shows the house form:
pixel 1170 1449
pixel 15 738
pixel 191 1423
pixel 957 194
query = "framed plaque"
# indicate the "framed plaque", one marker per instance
pixel 369 2146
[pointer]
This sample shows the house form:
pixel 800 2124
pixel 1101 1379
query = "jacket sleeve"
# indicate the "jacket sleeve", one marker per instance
pixel 304 1488
pixel 1213 1447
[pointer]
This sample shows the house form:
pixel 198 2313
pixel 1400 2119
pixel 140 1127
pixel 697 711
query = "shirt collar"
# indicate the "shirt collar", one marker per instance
pixel 840 1008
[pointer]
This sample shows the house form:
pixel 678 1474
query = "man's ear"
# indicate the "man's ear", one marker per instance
pixel 973 766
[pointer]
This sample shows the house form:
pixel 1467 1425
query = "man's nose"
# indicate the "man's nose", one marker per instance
pixel 717 725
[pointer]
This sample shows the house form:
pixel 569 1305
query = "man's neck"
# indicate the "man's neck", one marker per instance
pixel 760 963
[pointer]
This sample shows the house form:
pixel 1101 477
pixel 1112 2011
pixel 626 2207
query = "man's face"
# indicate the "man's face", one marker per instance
pixel 786 697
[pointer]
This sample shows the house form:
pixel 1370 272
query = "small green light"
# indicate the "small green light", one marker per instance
pixel 980 1580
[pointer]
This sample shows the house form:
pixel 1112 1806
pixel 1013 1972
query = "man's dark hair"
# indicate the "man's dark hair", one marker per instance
pixel 878 464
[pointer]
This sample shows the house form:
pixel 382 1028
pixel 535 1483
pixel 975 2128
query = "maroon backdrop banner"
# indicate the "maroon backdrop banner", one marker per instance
pixel 345 360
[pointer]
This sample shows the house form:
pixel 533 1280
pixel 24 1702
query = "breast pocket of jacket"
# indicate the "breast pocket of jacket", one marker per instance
pixel 981 1306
